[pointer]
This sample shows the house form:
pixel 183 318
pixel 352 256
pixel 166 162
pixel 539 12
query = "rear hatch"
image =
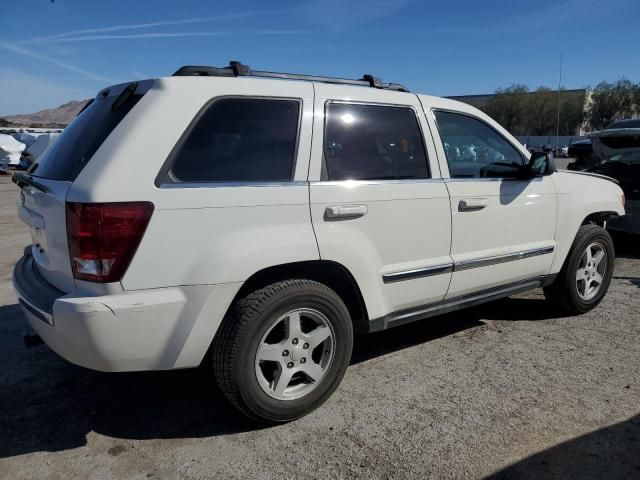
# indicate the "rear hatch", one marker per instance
pixel 47 182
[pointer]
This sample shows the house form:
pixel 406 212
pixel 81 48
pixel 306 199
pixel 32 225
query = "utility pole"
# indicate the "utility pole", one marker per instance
pixel 558 118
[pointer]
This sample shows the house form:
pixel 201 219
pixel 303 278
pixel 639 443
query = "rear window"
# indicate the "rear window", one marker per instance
pixel 239 140
pixel 79 141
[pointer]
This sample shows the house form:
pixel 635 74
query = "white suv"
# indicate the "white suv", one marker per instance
pixel 255 220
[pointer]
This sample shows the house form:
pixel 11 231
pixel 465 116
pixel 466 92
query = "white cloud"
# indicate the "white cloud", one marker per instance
pixel 129 36
pixel 26 93
pixel 114 28
pixel 48 59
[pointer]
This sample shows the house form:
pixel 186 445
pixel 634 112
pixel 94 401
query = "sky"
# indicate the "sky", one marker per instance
pixel 55 51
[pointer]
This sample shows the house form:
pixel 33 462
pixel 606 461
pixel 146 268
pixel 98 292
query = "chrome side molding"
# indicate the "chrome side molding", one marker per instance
pixel 417 273
pixel 510 257
pixel 464 265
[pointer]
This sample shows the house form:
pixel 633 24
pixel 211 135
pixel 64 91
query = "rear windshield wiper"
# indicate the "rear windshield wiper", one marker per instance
pixel 22 180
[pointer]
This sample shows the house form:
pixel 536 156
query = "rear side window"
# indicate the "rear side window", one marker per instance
pixel 239 140
pixel 66 158
pixel 372 142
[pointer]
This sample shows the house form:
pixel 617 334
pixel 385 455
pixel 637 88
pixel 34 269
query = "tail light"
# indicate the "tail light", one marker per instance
pixel 103 237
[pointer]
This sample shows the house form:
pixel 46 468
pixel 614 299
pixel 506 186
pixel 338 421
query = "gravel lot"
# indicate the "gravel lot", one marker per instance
pixel 507 389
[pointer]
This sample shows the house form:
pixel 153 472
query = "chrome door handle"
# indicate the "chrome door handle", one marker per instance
pixel 344 212
pixel 472 204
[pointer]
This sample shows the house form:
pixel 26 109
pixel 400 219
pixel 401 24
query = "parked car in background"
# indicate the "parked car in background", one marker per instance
pixel 37 147
pixel 313 207
pixel 618 150
pixel 582 152
pixel 10 149
pixel 8 168
pixel 24 137
pixel 558 151
pixel 623 124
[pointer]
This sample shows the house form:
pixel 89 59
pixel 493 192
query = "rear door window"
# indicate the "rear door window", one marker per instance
pixel 373 142
pixel 239 139
pixel 66 158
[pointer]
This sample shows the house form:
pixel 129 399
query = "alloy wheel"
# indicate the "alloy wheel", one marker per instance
pixel 592 269
pixel 295 354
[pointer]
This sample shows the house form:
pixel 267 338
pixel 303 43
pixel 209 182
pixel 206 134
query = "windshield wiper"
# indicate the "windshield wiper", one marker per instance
pixel 22 180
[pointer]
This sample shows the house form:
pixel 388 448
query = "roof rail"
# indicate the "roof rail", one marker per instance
pixel 237 69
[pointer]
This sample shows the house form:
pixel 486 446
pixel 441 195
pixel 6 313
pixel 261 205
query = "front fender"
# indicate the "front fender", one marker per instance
pixel 580 196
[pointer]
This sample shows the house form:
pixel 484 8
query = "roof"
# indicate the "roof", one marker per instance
pixel 628 123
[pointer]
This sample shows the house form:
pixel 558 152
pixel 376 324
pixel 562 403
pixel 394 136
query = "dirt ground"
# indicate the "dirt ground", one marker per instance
pixel 508 389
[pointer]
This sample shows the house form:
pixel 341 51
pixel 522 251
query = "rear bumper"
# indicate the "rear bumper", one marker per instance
pixel 157 329
pixel 35 294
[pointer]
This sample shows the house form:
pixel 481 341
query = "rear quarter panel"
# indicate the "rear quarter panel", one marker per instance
pixel 209 234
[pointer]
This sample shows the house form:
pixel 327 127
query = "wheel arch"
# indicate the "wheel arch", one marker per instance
pixel 567 235
pixel 599 218
pixel 333 274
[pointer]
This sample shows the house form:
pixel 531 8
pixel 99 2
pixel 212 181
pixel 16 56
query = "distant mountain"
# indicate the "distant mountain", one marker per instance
pixel 61 116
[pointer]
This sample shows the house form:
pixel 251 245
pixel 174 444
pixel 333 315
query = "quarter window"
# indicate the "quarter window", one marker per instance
pixel 372 142
pixel 475 150
pixel 240 140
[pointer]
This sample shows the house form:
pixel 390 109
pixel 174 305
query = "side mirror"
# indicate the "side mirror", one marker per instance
pixel 541 164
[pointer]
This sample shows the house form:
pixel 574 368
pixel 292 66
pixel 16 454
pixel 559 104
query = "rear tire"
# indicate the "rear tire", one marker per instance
pixel 586 274
pixel 282 350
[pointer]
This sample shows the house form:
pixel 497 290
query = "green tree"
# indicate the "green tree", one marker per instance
pixel 571 111
pixel 508 107
pixel 540 117
pixel 636 99
pixel 610 102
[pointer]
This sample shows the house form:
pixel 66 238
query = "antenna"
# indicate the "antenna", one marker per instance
pixel 558 118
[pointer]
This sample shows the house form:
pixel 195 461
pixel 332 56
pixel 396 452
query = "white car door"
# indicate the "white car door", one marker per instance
pixel 503 227
pixel 378 203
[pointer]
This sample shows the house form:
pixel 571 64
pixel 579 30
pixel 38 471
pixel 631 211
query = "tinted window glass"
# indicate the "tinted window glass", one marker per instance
pixel 240 140
pixel 475 150
pixel 370 142
pixel 66 158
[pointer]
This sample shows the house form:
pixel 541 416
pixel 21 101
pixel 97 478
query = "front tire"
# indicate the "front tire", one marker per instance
pixel 282 350
pixel 586 274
